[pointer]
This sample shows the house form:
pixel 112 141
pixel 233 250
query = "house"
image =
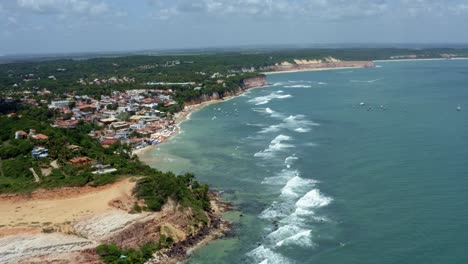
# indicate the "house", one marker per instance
pixel 73 147
pixel 59 104
pixel 40 137
pixel 81 161
pixel 109 141
pixel 39 152
pixel 20 134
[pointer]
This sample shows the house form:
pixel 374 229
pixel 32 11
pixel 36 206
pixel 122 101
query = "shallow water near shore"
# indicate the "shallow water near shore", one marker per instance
pixel 320 179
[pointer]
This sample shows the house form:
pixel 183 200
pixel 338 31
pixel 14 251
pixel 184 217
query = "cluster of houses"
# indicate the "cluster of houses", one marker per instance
pixel 111 80
pixel 130 117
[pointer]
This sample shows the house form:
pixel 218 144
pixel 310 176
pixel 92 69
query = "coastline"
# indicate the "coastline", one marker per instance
pixel 428 59
pixel 66 235
pixel 185 114
pixel 313 69
pixel 182 250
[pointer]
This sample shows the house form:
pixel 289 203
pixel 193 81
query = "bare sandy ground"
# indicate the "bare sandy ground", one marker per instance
pixel 46 208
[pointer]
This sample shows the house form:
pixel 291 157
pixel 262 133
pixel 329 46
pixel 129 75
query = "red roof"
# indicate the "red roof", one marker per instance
pixel 41 137
pixel 21 133
pixel 109 141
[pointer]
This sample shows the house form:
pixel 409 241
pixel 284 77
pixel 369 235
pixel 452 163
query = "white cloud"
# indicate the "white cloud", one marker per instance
pixel 88 7
pixel 315 9
pixel 308 9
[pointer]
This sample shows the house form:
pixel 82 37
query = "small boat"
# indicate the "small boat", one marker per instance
pixel 459 108
pixel 362 104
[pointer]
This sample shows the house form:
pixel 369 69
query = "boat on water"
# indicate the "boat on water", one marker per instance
pixel 362 103
pixel 459 108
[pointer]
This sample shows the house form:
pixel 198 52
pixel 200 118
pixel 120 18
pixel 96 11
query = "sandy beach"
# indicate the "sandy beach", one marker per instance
pixel 184 115
pixel 60 206
pixel 308 70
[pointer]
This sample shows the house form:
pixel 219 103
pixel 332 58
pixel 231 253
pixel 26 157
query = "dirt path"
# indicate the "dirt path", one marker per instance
pixel 36 177
pixel 50 209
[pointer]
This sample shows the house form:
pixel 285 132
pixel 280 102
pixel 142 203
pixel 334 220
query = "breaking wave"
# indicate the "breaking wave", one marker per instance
pixel 294 186
pixel 275 146
pixel 297 123
pixel 313 199
pixel 281 178
pixel 303 239
pixel 265 255
pixel 261 100
pixel 269 111
pixel 298 86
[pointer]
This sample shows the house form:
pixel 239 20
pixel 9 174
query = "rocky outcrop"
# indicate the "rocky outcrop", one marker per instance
pixel 203 98
pixel 254 82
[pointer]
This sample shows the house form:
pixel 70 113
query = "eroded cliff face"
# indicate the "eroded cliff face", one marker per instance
pixel 245 85
pixel 254 82
pixel 116 227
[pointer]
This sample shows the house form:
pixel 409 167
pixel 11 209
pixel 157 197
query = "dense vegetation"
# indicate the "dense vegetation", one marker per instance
pixel 198 69
pixel 16 159
pixel 112 254
pixel 61 77
pixel 157 187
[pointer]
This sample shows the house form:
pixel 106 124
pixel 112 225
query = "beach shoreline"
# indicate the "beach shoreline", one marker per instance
pixel 422 59
pixel 313 69
pixel 185 115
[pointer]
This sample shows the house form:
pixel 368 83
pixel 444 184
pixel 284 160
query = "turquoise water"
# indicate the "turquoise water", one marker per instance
pixel 320 179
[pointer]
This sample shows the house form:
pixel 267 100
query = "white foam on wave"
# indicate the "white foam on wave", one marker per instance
pixel 297 123
pixel 276 145
pixel 298 86
pixel 295 186
pixel 300 81
pixel 290 160
pixel 277 210
pixel 302 239
pixel 283 232
pixel 313 199
pixel 302 130
pixel 261 100
pixel 263 254
pixel 269 111
pixel 281 178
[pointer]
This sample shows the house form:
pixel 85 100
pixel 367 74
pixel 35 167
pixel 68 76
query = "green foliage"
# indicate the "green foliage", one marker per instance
pixel 156 188
pixel 112 254
pixel 16 154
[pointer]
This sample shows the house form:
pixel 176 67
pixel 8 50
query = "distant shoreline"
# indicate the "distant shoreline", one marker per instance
pixel 313 69
pixel 189 110
pixel 422 59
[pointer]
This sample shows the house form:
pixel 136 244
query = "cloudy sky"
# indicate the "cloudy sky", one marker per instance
pixel 55 26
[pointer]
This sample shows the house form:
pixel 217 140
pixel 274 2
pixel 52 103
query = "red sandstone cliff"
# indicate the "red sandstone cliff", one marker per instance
pixel 246 84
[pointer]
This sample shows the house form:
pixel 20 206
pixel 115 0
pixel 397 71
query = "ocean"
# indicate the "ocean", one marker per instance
pixel 318 177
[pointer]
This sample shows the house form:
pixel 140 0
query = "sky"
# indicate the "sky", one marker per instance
pixel 62 26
